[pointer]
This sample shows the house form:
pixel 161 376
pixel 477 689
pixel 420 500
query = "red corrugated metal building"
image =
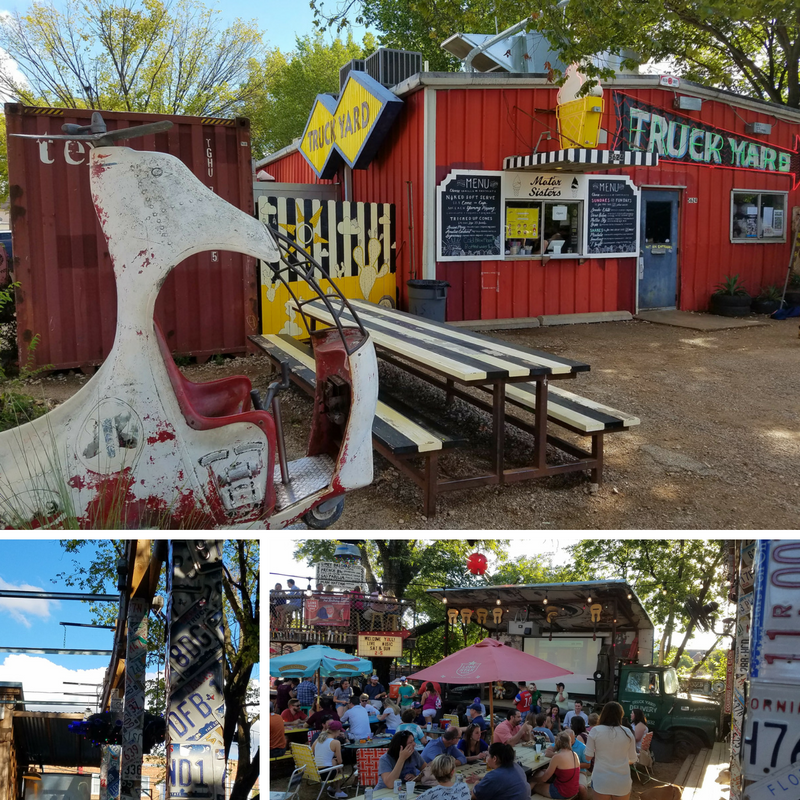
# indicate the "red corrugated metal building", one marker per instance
pixel 698 217
pixel 209 303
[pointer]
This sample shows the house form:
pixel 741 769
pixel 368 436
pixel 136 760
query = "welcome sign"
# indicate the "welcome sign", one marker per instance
pixel 350 128
pixel 676 137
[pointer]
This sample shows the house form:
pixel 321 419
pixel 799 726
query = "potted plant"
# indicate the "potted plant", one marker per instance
pixel 768 300
pixel 730 298
pixel 793 290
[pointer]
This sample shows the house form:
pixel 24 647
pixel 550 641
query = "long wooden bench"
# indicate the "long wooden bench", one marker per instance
pixel 399 433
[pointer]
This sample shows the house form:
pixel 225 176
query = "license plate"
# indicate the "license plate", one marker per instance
pixel 771 730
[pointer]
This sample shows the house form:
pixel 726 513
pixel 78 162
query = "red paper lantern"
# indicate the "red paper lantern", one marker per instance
pixel 477 564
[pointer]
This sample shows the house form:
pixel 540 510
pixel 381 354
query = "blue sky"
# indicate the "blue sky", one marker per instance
pixel 33 565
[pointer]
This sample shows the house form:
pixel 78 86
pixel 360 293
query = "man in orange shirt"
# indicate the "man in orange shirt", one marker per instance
pixel 277 735
pixel 511 732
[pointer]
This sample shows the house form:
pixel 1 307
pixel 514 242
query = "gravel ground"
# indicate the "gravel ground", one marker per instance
pixel 718 446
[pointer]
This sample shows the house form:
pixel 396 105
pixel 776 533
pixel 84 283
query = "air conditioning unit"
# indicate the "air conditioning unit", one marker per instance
pixel 390 67
pixel 523 628
pixel 355 65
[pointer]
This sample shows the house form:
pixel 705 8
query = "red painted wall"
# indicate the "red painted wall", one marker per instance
pixel 478 128
pixel 293 168
pixel 399 160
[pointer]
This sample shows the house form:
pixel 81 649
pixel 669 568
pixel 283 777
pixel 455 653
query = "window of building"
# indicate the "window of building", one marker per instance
pixel 552 228
pixel 758 217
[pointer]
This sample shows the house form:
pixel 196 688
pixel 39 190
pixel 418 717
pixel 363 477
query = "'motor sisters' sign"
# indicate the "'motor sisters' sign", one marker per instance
pixel 679 138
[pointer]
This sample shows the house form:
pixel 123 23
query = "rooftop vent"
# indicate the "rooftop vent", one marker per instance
pixel 356 65
pixel 390 67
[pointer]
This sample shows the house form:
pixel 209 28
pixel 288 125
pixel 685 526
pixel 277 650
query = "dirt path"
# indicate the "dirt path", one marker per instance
pixel 718 446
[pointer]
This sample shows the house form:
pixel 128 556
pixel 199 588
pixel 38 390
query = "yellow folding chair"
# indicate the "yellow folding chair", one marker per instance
pixel 304 757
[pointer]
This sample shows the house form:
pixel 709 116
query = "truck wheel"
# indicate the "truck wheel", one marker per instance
pixel 687 744
pixel 324 515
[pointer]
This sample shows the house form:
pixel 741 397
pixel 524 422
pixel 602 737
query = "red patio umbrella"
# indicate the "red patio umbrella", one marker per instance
pixel 489 661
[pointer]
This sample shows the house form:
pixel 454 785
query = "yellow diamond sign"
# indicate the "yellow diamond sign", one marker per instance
pixel 350 128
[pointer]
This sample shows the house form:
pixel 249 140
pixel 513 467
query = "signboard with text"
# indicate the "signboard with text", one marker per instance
pixel 380 645
pixel 340 576
pixel 675 137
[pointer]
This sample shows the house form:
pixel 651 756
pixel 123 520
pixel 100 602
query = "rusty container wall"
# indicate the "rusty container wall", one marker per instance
pixel 209 303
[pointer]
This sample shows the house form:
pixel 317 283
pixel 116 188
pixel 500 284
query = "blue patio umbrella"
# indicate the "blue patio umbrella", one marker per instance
pixel 318 657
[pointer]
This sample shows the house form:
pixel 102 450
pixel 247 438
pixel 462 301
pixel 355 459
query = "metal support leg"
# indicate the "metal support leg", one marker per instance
pixel 195 701
pixel 499 429
pixel 540 425
pixel 597 453
pixel 431 480
pixel 133 713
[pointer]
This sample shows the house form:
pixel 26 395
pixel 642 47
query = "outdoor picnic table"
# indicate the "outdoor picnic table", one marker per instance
pixel 526 756
pixel 376 742
pixel 463 359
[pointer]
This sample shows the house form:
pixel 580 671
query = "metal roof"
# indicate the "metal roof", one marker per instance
pixel 43 738
pixel 571 600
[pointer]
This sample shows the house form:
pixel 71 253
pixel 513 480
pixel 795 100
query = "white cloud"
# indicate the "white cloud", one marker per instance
pixel 21 608
pixel 38 673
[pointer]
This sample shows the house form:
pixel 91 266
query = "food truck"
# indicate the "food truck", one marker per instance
pixel 662 189
pixel 602 633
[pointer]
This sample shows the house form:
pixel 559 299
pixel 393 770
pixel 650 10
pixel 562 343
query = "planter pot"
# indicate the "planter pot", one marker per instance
pixel 730 305
pixel 765 306
pixel 792 298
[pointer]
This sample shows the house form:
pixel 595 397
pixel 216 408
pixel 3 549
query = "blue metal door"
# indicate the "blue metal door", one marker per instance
pixel 658 268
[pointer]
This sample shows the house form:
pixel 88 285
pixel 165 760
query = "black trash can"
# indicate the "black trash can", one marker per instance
pixel 428 299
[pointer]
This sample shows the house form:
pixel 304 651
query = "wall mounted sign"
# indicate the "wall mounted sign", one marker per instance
pixel 341 576
pixel 543 186
pixel 612 217
pixel 775 629
pixel 380 645
pixel 675 137
pixel 351 128
pixel 469 204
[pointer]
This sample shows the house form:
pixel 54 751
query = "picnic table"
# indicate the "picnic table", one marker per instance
pixel 525 756
pixel 460 359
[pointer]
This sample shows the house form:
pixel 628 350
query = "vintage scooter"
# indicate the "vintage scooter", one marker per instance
pixel 140 445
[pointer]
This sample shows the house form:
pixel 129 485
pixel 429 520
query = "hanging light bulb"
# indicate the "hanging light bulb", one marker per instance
pixel 545 600
pixel 588 599
pixel 630 596
pixel 444 599
pixel 499 601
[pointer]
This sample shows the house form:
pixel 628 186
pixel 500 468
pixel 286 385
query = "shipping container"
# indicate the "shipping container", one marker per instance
pixel 209 303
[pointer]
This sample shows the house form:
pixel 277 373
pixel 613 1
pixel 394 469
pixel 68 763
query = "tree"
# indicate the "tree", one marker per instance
pixel 160 56
pixel 291 84
pixel 241 644
pixel 751 47
pixel 664 574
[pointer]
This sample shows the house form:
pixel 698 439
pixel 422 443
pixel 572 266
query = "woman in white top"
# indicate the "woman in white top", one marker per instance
pixel 443 768
pixel 639 724
pixel 328 753
pixel 613 748
pixel 391 716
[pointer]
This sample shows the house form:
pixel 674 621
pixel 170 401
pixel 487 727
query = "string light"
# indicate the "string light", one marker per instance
pixel 499 602
pixel 588 599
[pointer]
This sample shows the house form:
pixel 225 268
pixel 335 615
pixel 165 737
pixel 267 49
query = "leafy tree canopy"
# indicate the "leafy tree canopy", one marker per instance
pixel 292 82
pixel 751 47
pixel 160 56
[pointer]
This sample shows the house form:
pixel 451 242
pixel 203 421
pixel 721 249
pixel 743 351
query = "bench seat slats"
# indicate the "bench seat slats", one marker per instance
pixel 580 412
pixel 401 432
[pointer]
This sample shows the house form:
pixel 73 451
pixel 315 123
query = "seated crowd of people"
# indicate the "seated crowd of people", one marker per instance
pixel 585 749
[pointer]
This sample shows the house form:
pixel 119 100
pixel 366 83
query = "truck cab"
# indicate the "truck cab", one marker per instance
pixel 690 722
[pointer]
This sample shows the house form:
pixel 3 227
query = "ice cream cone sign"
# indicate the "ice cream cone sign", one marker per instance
pixel 578 115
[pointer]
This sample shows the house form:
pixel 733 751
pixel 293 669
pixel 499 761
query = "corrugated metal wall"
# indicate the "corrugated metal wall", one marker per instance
pixel 706 252
pixel 293 168
pixel 477 128
pixel 68 295
pixel 399 160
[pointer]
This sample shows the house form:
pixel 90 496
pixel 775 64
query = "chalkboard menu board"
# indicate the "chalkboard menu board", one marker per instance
pixel 613 223
pixel 470 216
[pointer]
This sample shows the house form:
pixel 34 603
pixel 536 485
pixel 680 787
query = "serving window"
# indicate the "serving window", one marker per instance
pixel 548 227
pixel 758 216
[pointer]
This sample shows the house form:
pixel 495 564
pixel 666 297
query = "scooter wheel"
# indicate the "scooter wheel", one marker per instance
pixel 319 518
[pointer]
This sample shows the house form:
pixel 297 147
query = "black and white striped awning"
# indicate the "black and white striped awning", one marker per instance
pixel 580 159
